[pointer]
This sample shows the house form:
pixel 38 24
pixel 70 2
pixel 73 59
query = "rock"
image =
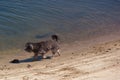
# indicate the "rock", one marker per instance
pixel 15 61
pixel 29 66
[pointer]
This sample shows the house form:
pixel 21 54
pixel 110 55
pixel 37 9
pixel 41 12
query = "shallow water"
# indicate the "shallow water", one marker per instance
pixel 32 20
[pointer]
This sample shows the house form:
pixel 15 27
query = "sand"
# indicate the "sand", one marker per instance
pixel 100 61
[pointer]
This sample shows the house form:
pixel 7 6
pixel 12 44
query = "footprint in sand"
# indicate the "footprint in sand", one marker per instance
pixel 69 72
pixel 25 78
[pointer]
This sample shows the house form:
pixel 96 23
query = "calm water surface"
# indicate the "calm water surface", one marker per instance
pixel 31 20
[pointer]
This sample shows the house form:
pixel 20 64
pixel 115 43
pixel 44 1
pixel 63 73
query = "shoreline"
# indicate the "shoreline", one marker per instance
pixel 81 61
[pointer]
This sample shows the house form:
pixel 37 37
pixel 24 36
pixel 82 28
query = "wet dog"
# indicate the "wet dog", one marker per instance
pixel 43 47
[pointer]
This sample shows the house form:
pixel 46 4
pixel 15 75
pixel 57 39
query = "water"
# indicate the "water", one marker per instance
pixel 31 20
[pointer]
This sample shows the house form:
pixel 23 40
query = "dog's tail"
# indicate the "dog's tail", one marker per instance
pixel 55 37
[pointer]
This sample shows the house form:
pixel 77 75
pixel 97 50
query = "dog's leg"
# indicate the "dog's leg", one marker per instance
pixel 35 56
pixel 58 51
pixel 53 53
pixel 43 55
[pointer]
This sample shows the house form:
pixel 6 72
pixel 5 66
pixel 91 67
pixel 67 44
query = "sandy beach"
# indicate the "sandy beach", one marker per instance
pixel 99 61
pixel 88 32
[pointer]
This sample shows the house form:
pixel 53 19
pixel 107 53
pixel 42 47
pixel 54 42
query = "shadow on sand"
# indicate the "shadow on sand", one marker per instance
pixel 29 60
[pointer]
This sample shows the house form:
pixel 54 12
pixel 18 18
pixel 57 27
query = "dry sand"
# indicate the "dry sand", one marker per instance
pixel 96 62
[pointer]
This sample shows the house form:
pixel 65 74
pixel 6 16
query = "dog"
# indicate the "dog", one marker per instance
pixel 43 47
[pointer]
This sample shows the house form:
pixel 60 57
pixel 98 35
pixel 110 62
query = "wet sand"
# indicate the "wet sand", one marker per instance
pixel 97 59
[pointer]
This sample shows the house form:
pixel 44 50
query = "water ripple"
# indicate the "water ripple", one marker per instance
pixel 31 19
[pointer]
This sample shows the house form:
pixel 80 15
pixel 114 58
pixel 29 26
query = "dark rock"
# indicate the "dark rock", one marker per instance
pixel 15 61
pixel 29 66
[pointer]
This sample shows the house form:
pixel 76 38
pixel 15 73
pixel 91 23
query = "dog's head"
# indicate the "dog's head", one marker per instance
pixel 29 47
